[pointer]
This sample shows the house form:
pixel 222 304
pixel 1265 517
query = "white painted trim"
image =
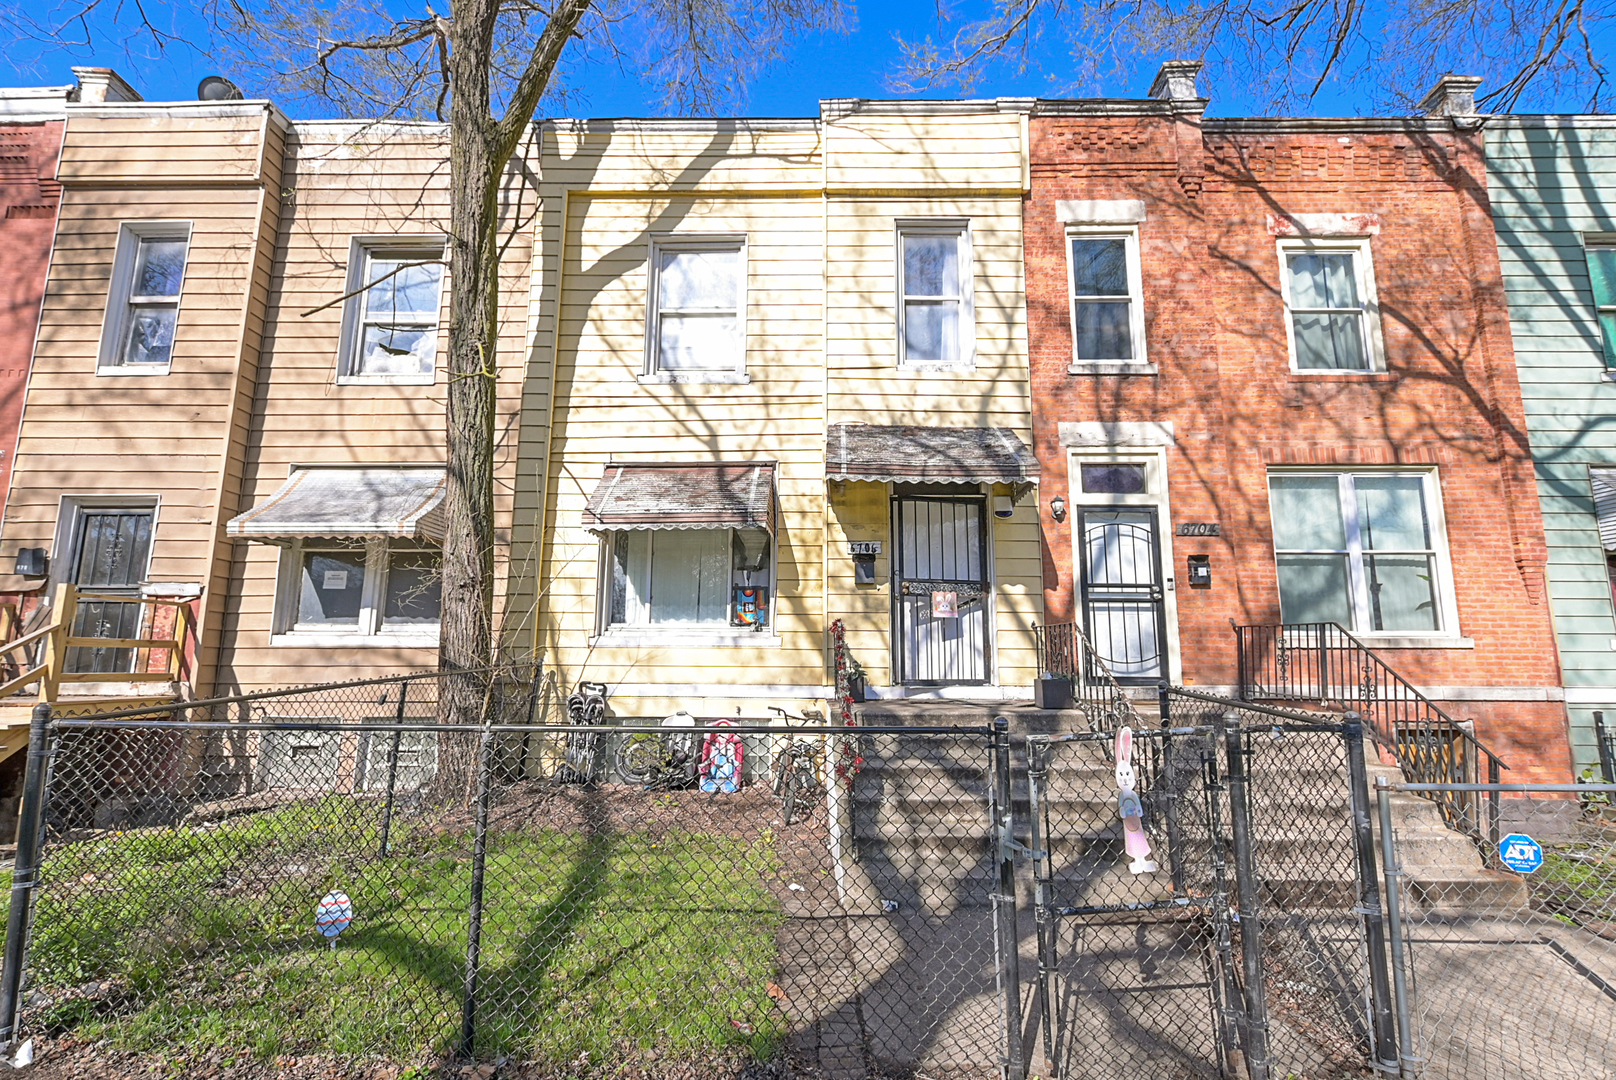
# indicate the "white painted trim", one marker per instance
pixel 1099 211
pixel 1111 369
pixel 694 242
pixel 1129 235
pixel 1363 268
pixel 959 228
pixel 1493 693
pixel 948 693
pixel 1590 695
pixel 1416 641
pixel 1324 224
pixel 695 637
pixel 311 640
pixel 1103 435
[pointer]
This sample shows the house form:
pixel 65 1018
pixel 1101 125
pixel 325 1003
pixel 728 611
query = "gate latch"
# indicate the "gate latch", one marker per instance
pixel 1016 845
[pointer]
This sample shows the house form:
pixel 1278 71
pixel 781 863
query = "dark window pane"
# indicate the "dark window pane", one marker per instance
pixel 333 583
pixel 1607 332
pixel 1602 275
pixel 1320 280
pixel 1113 479
pixel 1402 592
pixel 414 587
pixel 1100 267
pixel 1313 589
pixel 1330 341
pixel 1102 331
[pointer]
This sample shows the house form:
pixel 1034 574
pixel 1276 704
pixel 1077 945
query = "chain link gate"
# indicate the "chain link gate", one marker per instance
pixel 1256 947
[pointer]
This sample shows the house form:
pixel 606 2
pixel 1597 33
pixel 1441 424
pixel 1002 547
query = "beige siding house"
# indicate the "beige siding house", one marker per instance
pixel 779 382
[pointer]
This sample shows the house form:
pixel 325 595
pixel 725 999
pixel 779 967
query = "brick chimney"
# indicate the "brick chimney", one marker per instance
pixel 98 85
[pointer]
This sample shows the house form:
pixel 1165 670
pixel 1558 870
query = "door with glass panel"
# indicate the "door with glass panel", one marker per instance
pixel 1119 561
pixel 940 589
pixel 111 550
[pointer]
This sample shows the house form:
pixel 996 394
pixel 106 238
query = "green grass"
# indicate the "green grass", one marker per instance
pixel 1580 878
pixel 593 943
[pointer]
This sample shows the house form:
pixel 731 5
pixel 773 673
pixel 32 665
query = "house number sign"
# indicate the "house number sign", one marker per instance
pixel 864 547
pixel 1198 528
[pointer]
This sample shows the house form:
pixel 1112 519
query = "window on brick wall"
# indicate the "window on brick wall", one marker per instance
pixel 1332 318
pixel 1602 277
pixel 1366 550
pixel 1108 321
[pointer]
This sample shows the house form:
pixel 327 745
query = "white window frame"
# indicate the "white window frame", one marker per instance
pixel 1447 632
pixel 1363 268
pixel 960 228
pixel 121 300
pixel 361 251
pixel 370 632
pixel 736 373
pixel 650 636
pixel 1140 364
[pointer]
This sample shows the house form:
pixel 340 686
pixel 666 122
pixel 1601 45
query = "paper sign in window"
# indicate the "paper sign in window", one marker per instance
pixel 945 605
pixel 335 579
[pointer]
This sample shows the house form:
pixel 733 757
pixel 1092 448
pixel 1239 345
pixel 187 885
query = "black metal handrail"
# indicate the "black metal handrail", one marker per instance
pixel 1064 653
pixel 1325 663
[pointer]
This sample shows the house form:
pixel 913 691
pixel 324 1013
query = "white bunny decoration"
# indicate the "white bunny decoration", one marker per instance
pixel 1135 842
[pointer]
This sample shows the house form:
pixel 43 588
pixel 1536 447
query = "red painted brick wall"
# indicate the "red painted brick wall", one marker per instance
pixel 1215 326
pixel 29 195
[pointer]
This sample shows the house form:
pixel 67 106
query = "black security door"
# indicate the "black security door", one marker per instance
pixel 1119 556
pixel 110 556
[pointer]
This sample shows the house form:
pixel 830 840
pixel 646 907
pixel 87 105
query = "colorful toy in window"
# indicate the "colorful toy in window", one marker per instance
pixel 751 605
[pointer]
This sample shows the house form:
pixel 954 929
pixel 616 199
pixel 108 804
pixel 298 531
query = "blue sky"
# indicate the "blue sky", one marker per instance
pixel 858 64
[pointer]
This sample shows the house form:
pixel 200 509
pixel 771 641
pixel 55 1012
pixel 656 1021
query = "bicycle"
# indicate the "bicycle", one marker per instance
pixel 659 762
pixel 799 768
pixel 586 705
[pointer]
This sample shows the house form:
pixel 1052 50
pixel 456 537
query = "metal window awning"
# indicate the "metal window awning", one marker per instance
pixel 928 455
pixel 711 495
pixel 374 500
pixel 1604 481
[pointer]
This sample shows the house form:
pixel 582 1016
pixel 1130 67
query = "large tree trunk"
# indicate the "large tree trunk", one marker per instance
pixel 473 250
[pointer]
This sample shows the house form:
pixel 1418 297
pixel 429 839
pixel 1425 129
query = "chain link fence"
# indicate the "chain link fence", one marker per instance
pixel 1504 952
pixel 333 875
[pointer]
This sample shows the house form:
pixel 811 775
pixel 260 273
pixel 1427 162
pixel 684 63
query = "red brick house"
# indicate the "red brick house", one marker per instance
pixel 1273 383
pixel 31 122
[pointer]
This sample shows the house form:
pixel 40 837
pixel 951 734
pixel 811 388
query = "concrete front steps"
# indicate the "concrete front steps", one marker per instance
pixel 919 835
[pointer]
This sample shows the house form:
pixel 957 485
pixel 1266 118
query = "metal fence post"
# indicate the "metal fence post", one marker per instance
pixel 1245 873
pixel 1393 870
pixel 474 910
pixel 1038 753
pixel 25 870
pixel 1363 840
pixel 1004 900
pixel 1607 768
pixel 392 770
pixel 1164 785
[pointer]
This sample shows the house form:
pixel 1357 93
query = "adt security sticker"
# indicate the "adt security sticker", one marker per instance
pixel 1520 853
pixel 333 914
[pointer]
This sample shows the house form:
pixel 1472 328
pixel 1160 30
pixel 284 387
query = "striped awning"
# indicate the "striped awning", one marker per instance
pixel 708 495
pixel 371 500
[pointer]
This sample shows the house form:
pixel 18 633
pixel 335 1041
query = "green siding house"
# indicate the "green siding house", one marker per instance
pixel 1552 181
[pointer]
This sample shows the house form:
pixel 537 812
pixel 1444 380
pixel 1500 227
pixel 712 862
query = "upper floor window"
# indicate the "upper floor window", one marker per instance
pixel 1602 276
pixel 391 323
pixel 695 331
pixel 1365 550
pixel 1333 318
pixel 936 316
pixel 1108 324
pixel 148 270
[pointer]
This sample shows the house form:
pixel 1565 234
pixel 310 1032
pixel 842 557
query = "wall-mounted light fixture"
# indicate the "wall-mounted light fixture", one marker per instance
pixel 1057 508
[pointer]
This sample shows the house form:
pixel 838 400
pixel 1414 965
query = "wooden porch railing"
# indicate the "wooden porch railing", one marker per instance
pixel 44 655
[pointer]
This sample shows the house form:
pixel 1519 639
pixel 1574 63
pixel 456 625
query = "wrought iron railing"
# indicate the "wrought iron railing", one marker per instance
pixel 1324 663
pixel 1064 652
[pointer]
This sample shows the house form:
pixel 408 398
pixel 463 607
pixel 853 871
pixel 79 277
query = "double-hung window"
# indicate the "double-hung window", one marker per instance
pixel 1602 278
pixel 356 589
pixel 1108 325
pixel 1331 312
pixel 695 331
pixel 936 314
pixel 689 578
pixel 1364 550
pixel 390 329
pixel 144 303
